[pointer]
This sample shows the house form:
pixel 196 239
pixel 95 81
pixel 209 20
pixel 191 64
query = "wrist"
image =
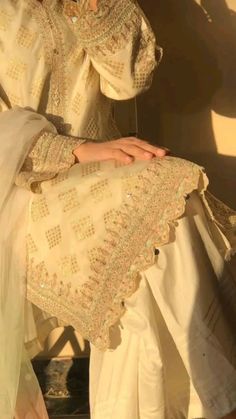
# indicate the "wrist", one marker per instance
pixel 78 149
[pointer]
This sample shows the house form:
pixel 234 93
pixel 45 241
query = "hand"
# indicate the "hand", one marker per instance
pixel 124 150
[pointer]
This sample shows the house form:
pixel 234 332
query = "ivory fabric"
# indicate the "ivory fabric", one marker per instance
pixel 22 125
pixel 71 74
pixel 94 228
pixel 110 62
pixel 172 353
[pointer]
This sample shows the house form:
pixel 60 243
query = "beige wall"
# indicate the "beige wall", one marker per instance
pixel 191 107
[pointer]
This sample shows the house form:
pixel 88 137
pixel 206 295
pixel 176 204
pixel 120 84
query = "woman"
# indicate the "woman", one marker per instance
pixel 114 246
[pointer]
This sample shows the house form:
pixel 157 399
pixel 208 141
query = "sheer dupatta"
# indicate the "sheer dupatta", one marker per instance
pixel 18 129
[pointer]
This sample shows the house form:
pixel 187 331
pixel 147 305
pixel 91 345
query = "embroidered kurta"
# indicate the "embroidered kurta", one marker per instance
pixel 62 69
pixel 94 228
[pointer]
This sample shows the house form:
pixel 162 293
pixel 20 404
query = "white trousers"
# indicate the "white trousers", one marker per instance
pixel 171 353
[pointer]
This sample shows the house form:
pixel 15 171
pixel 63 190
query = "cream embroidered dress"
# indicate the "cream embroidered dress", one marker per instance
pixel 119 252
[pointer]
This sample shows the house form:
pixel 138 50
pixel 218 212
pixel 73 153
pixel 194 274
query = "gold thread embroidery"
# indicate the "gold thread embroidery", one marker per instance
pixel 76 104
pixel 127 249
pixel 53 236
pixel 69 265
pixel 89 168
pixel 31 246
pixel 25 37
pixel 100 190
pixel 16 69
pixel 69 199
pixel 36 88
pixel 83 228
pixel 115 67
pixel 5 20
pixel 39 209
pixel 92 129
pixel 14 99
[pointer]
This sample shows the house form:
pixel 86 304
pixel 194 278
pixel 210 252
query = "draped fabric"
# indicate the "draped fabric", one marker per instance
pixel 95 227
pixel 18 129
pixel 77 247
pixel 172 353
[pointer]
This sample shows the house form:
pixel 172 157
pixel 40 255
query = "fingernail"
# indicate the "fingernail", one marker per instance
pixel 165 149
pixel 147 154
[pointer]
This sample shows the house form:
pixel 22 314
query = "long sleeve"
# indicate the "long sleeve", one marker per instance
pixel 51 154
pixel 121 44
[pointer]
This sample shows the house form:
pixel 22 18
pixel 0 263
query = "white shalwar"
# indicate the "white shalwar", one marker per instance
pixel 160 346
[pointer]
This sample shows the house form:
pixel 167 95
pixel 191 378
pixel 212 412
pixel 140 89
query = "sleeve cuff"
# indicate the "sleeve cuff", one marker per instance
pixel 51 154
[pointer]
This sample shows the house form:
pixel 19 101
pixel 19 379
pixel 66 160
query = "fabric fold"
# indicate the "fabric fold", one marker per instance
pixel 84 284
pixel 18 129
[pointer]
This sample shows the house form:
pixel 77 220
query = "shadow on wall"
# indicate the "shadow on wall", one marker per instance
pixel 197 75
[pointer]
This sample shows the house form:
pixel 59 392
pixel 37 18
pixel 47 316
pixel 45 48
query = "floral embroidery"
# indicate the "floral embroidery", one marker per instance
pixel 114 256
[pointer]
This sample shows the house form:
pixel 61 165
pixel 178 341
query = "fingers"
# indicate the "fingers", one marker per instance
pixel 124 150
pixel 137 152
pixel 120 156
pixel 144 145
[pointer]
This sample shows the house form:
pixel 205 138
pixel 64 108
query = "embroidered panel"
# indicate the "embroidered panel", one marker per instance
pixel 25 38
pixel 113 241
pixel 16 69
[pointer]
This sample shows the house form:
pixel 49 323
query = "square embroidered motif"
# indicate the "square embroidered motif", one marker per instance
pixel 36 88
pixel 100 190
pixel 94 255
pixel 16 69
pixel 92 128
pixel 14 99
pixel 116 68
pixel 110 216
pixel 53 236
pixel 140 80
pixel 25 37
pixel 30 244
pixel 83 228
pixel 39 209
pixel 5 20
pixel 60 178
pixel 76 104
pixel 89 168
pixel 69 199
